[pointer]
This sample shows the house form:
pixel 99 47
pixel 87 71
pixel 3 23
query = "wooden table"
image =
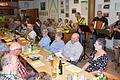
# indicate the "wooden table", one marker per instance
pixel 45 65
pixel 22 41
pixel 110 76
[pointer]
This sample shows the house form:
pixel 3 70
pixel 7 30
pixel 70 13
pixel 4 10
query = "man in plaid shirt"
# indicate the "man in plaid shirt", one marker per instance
pixel 15 49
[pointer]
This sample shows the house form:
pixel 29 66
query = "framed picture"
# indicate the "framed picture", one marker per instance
pixel 107 6
pixel 106 0
pixel 118 13
pixel 76 1
pixel 73 11
pixel 62 4
pixel 106 14
pixel 43 5
pixel 62 11
pixel 67 14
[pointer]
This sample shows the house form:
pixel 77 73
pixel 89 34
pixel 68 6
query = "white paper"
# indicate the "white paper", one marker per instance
pixel 59 54
pixel 37 63
pixel 35 55
pixel 73 69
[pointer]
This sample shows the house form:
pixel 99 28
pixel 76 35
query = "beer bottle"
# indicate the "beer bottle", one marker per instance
pixel 60 67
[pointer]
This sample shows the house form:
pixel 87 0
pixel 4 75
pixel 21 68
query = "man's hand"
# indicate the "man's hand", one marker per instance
pixel 66 59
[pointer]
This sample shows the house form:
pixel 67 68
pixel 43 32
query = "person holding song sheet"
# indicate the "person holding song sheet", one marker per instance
pixel 100 22
pixel 116 37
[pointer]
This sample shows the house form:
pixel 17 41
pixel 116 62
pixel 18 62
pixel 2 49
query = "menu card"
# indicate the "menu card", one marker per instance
pixel 73 69
pixel 37 63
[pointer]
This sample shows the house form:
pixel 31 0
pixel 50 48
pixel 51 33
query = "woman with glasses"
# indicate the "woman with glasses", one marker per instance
pixel 99 58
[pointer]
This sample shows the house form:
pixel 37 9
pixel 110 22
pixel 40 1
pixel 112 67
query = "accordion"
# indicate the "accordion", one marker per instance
pixel 99 25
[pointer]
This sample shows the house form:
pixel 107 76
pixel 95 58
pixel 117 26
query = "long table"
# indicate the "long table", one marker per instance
pixel 9 41
pixel 43 65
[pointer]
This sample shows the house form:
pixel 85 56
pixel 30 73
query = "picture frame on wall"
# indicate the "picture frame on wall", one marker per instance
pixel 106 14
pixel 76 1
pixel 62 4
pixel 74 11
pixel 118 13
pixel 67 14
pixel 106 0
pixel 62 11
pixel 106 6
pixel 43 6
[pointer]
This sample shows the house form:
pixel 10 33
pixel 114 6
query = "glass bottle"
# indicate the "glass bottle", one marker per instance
pixel 60 67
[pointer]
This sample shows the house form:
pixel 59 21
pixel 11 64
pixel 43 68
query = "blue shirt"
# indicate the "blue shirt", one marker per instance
pixel 3 47
pixel 44 42
pixel 57 46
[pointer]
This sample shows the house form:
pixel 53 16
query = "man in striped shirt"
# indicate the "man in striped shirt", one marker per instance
pixel 15 49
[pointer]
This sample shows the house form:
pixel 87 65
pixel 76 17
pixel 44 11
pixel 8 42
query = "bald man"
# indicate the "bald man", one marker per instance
pixel 73 49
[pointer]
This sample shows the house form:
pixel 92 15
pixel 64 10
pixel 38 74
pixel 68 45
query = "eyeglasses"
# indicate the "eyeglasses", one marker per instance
pixel 19 49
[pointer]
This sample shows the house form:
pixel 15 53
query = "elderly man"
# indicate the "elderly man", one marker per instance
pixel 45 40
pixel 9 68
pixel 73 49
pixel 15 49
pixel 9 65
pixel 31 33
pixel 3 49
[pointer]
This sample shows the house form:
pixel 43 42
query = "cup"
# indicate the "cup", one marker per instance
pixel 54 72
pixel 52 62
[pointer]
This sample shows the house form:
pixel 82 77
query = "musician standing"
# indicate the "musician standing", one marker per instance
pixel 116 38
pixel 79 21
pixel 100 22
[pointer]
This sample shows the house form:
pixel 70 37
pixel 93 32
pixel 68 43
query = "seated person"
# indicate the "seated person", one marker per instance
pixel 42 76
pixel 99 59
pixel 15 49
pixel 2 45
pixel 31 33
pixel 3 49
pixel 45 40
pixel 73 49
pixel 9 67
pixel 57 44
pixel 66 25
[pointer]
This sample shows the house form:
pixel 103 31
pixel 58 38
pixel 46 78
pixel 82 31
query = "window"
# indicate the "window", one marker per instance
pixel 76 1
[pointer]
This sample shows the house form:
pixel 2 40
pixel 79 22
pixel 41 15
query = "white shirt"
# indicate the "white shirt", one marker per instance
pixel 73 51
pixel 33 35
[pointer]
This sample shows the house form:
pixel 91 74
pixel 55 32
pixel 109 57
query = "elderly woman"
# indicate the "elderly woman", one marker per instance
pixel 45 40
pixel 99 59
pixel 57 44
